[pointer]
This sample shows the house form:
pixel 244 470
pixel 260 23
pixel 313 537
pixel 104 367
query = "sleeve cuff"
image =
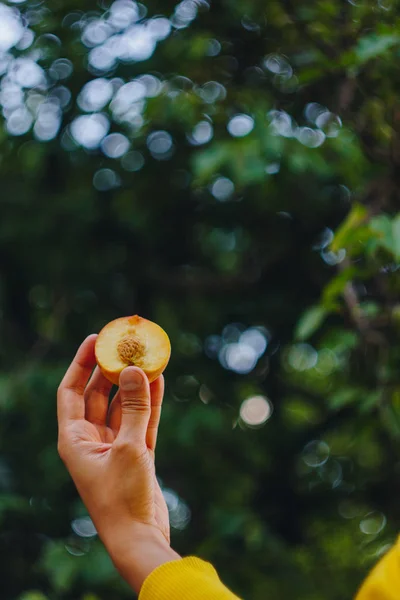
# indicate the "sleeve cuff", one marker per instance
pixel 186 578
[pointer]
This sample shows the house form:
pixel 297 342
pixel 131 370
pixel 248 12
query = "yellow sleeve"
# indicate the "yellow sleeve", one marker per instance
pixel 185 579
pixel 383 583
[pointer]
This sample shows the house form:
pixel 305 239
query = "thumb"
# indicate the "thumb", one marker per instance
pixel 135 407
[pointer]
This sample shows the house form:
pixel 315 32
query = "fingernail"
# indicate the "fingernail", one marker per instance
pixel 130 379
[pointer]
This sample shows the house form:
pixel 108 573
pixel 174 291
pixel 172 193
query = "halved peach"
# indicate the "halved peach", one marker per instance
pixel 132 341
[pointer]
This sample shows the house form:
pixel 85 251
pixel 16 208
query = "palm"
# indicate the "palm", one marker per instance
pixel 103 434
pixel 97 433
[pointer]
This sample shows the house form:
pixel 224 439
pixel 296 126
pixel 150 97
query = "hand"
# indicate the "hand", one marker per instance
pixel 109 453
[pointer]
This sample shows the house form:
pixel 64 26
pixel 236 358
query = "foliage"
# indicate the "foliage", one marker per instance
pixel 229 170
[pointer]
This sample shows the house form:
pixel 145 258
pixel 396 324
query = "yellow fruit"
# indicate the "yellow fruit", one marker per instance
pixel 131 341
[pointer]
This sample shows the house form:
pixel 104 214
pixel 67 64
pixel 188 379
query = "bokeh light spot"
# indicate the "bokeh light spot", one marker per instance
pixel 95 94
pixel 222 189
pixel 240 125
pixel 61 68
pixel 19 121
pixel 48 120
pixel 373 523
pixel 302 357
pixel 133 161
pixel 84 527
pixel 26 73
pixel 11 27
pixel 89 130
pixel 281 123
pixel 127 96
pixel 160 145
pixel 202 133
pixel 105 180
pixel 312 138
pixel 238 357
pixel 255 338
pixel 277 64
pixel 115 145
pixel 255 411
pixel 179 512
pixel 316 453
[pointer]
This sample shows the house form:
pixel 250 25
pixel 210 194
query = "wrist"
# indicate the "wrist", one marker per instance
pixel 136 550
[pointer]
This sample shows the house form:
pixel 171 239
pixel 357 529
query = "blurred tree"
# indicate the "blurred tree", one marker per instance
pixel 229 170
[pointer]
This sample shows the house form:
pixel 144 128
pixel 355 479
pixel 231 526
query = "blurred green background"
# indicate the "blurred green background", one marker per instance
pixel 230 170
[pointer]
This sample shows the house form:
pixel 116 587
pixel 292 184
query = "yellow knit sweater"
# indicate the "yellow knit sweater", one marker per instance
pixel 383 583
pixel 194 579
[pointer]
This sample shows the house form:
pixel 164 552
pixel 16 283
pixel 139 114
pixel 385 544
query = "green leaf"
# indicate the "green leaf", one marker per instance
pixel 387 231
pixel 61 567
pixel 310 321
pixel 370 309
pixel 373 45
pixel 339 340
pixel 396 237
pixel 336 286
pixel 300 413
pixel 344 397
pixel 370 401
pixel 347 234
pixel 209 161
pixel 390 415
pixel 382 226
pixel 248 164
pixel 350 395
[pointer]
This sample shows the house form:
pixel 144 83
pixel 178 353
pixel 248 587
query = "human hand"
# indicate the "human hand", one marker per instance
pixel 109 453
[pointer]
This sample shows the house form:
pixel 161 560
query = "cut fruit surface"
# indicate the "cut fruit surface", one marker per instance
pixel 132 341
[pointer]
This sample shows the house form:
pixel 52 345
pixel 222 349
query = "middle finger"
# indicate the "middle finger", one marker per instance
pixel 96 398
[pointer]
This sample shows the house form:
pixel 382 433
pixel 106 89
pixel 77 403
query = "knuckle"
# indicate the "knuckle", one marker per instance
pixel 131 448
pixel 75 388
pixel 153 423
pixel 134 405
pixel 100 388
pixel 122 446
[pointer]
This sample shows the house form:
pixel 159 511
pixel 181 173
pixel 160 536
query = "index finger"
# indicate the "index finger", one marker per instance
pixel 70 400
